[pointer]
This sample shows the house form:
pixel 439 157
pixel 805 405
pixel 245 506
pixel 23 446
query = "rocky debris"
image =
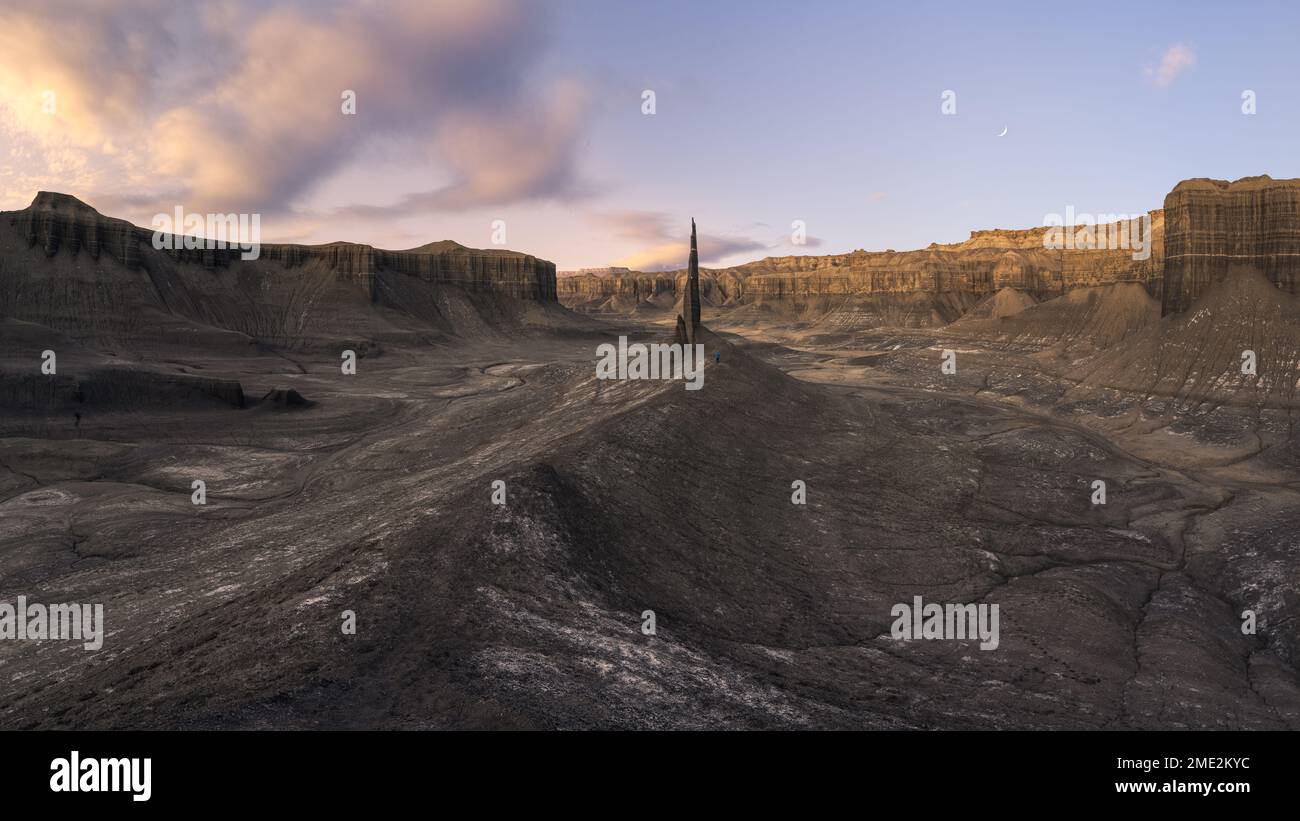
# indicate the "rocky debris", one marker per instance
pixel 1216 228
pixel 282 398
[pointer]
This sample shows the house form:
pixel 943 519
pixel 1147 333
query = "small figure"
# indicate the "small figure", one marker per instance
pixel 717 356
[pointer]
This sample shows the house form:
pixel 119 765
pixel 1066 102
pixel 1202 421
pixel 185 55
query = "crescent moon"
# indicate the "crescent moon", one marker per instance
pixel 1004 131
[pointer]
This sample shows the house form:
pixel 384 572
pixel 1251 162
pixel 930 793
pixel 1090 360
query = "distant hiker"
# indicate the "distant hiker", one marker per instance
pixel 717 356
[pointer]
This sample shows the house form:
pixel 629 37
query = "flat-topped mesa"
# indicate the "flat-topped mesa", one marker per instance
pixel 59 222
pixel 960 273
pixel 505 273
pixel 1216 228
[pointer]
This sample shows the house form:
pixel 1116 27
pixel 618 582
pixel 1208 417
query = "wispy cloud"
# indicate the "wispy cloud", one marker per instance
pixel 668 240
pixel 236 105
pixel 1176 60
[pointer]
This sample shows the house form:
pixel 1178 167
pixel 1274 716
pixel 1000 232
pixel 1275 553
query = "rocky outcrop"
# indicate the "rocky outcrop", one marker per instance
pixel 66 266
pixel 60 222
pixel 690 315
pixel 285 398
pixel 1217 228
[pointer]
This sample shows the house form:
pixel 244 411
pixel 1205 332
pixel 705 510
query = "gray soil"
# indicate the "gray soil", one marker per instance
pixel 373 493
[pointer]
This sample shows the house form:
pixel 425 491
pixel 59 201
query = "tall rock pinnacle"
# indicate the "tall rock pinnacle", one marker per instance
pixel 688 321
pixel 691 304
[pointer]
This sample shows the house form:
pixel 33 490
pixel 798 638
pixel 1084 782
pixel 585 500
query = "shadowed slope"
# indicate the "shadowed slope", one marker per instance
pixel 1195 359
pixel 632 496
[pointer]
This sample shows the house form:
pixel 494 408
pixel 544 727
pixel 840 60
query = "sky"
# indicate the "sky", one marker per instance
pixel 473 116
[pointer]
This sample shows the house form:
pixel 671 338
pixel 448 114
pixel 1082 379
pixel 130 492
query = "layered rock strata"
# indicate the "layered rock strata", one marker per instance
pixel 1216 229
pixel 957 274
pixel 102 281
pixel 59 222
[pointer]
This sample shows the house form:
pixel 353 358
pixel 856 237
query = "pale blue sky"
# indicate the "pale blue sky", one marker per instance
pixel 769 112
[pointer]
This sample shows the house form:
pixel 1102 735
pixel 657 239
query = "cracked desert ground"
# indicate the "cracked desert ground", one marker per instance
pixel 624 496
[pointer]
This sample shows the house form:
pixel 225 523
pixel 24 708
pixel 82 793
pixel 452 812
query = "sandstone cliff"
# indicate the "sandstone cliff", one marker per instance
pixel 951 278
pixel 1217 228
pixel 58 221
pixel 1207 230
pixel 66 266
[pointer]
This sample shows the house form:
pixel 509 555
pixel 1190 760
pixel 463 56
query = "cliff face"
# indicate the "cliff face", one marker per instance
pixel 958 274
pixel 1208 229
pixel 64 265
pixel 1218 228
pixel 58 221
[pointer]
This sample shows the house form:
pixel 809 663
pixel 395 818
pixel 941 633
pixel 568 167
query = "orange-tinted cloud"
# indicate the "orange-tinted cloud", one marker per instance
pixel 669 242
pixel 1176 60
pixel 236 106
